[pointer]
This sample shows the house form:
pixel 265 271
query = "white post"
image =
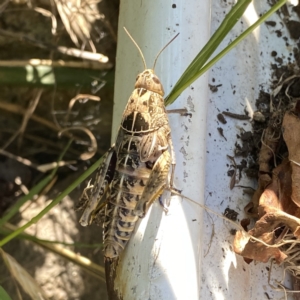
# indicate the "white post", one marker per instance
pixel 162 259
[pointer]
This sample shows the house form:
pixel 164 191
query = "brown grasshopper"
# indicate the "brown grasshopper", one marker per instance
pixel 135 169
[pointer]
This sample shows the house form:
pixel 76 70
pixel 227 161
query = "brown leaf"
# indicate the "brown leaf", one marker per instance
pixel 279 197
pixel 272 203
pixel 291 129
pixel 251 209
pixel 255 250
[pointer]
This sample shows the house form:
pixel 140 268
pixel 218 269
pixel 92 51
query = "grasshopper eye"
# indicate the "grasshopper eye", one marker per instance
pixel 155 79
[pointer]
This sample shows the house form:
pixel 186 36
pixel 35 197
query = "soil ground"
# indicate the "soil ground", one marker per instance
pixel 26 33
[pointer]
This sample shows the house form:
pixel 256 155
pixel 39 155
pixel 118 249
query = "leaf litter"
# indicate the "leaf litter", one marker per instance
pixel 273 147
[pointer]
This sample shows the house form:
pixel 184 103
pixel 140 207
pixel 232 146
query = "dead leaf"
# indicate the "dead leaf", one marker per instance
pixel 291 129
pixel 257 251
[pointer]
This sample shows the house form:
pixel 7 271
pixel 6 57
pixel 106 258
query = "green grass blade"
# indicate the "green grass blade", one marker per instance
pixel 196 69
pixel 3 294
pixel 236 41
pixel 230 20
pixel 34 191
pixel 69 189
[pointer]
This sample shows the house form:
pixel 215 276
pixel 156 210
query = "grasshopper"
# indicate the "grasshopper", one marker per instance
pixel 135 170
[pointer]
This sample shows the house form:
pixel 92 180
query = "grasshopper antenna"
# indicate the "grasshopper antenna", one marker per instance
pixel 144 62
pixel 164 49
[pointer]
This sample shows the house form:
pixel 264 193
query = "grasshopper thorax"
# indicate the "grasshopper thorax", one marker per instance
pixel 149 81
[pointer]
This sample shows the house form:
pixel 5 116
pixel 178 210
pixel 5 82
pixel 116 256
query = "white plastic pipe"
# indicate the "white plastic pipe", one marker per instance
pixel 162 259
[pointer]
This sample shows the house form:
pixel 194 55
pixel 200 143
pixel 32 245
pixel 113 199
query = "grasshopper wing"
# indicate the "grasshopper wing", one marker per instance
pixel 153 144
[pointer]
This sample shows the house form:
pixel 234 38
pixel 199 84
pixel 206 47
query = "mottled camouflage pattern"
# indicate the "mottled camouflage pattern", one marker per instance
pixel 135 170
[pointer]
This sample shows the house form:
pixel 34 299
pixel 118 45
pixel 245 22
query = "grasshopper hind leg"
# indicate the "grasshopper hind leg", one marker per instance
pixel 170 183
pixel 94 195
pixel 155 185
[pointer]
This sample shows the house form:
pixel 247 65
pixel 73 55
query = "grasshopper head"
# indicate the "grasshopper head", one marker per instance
pixel 149 81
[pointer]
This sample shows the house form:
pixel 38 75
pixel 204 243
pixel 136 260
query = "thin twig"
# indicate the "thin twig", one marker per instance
pixel 20 110
pixel 48 14
pixel 42 168
pixel 26 116
pixel 235 116
pixel 17 109
pixel 4 5
pixel 93 147
pixel 100 58
pixel 43 141
pixel 79 97
pixel 245 233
